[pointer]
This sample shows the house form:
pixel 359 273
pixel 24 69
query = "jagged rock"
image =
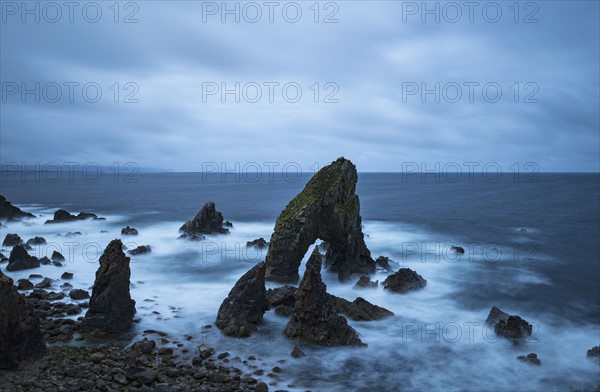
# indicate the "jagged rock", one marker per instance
pixel 24 284
pixel 530 358
pixel 207 221
pixel 314 319
pixel 404 280
pixel 508 326
pixel 44 284
pixel 594 352
pixel 140 250
pixel 57 256
pixel 359 309
pixel 129 231
pixel 20 334
pixel 65 216
pixel 111 307
pixel 285 295
pixel 3 258
pixel 383 262
pixel 458 249
pixel 259 243
pixel 8 211
pixel 78 294
pixel 227 224
pixel 365 282
pixel 19 260
pixel 45 260
pixel 329 209
pixel 12 240
pixel 244 307
pixel 36 241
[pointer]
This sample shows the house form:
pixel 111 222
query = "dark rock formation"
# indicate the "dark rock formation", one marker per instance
pixel 259 243
pixel 111 307
pixel 65 216
pixel 207 221
pixel 315 319
pixel 8 211
pixel 383 262
pixel 359 309
pixel 531 358
pixel 404 280
pixel 19 260
pixel 78 294
pixel 365 282
pixel 45 260
pixel 297 353
pixel 67 275
pixel 36 241
pixel 44 284
pixel 24 284
pixel 285 295
pixel 20 334
pixel 140 250
pixel 244 307
pixel 458 250
pixel 57 256
pixel 3 258
pixel 593 352
pixel 329 209
pixel 129 231
pixel 508 326
pixel 12 240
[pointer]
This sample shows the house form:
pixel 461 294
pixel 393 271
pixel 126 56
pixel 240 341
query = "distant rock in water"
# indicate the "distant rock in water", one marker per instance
pixel 129 231
pixel 329 209
pixel 20 334
pixel 8 211
pixel 259 243
pixel 64 216
pixel 531 358
pixel 383 262
pixel 36 241
pixel 3 258
pixel 594 352
pixel 19 259
pixel 207 221
pixel 458 249
pixel 508 326
pixel 57 256
pixel 365 282
pixel 244 307
pixel 404 280
pixel 140 250
pixel 12 239
pixel 111 307
pixel 314 319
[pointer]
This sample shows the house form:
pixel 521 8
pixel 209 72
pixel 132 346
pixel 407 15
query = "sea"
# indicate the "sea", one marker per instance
pixel 532 248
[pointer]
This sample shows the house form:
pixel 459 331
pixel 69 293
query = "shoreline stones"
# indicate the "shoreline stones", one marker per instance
pixel 404 280
pixel 508 326
pixel 61 216
pixel 111 307
pixel 12 239
pixel 327 208
pixel 207 221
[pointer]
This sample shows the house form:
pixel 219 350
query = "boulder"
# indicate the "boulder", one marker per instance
pixel 508 326
pixel 78 294
pixel 314 319
pixel 404 280
pixel 45 260
pixel 8 211
pixel 259 243
pixel 12 240
pixel 531 358
pixel 365 282
pixel 111 308
pixel 297 352
pixel 44 284
pixel 383 262
pixel 24 284
pixel 19 260
pixel 65 216
pixel 129 231
pixel 207 221
pixel 327 208
pixel 57 256
pixel 244 307
pixel 67 275
pixel 36 241
pixel 140 250
pixel 20 334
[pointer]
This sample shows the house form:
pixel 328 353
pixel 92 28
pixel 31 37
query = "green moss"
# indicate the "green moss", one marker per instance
pixel 74 353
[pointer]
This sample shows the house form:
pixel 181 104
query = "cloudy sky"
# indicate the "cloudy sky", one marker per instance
pixel 186 84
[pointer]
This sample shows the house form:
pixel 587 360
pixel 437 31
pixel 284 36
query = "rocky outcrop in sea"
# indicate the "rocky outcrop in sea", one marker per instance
pixel 207 221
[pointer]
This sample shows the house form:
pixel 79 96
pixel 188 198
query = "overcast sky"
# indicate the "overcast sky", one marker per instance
pixel 368 68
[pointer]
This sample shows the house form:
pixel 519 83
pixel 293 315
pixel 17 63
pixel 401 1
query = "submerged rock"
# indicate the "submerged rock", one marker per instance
pixel 365 282
pixel 458 249
pixel 129 231
pixel 531 358
pixel 57 256
pixel 78 294
pixel 207 221
pixel 140 250
pixel 508 326
pixel 3 258
pixel 244 307
pixel 65 216
pixel 111 307
pixel 383 262
pixel 594 352
pixel 329 209
pixel 314 319
pixel 19 259
pixel 20 334
pixel 404 280
pixel 12 239
pixel 259 243
pixel 359 309
pixel 8 211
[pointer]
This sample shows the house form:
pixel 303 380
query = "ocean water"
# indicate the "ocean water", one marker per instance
pixel 532 248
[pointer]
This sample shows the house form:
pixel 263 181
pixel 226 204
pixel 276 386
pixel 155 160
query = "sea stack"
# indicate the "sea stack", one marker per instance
pixel 111 307
pixel 329 209
pixel 20 334
pixel 314 319
pixel 207 221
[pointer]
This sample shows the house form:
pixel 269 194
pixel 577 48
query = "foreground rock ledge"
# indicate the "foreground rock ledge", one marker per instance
pixel 314 319
pixel 111 307
pixel 20 334
pixel 329 209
